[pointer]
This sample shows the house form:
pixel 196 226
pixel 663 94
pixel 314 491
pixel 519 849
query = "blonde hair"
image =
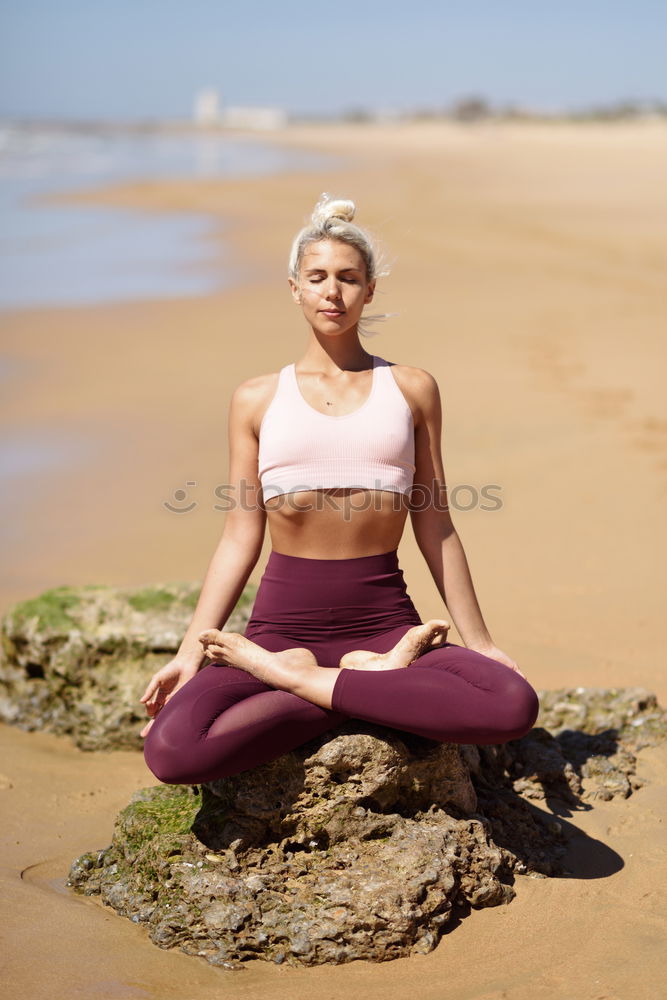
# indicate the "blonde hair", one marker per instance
pixel 332 220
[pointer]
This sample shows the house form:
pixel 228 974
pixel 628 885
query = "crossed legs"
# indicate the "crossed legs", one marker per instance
pixel 297 670
pixel 447 692
pixel 229 719
pixel 224 721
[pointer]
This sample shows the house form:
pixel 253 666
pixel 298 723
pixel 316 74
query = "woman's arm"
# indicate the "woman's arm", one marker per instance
pixel 240 545
pixel 434 530
pixel 241 542
pixel 237 551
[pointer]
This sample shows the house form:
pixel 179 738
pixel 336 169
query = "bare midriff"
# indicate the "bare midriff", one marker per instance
pixel 336 523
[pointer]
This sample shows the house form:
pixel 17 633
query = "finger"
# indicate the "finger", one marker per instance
pixel 157 702
pixel 145 731
pixel 151 696
pixel 153 684
pixel 214 647
pixel 155 692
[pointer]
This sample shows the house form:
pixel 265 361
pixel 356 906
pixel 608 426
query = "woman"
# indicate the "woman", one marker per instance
pixel 333 453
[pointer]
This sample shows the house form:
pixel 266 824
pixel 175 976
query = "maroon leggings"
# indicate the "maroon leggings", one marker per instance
pixel 224 721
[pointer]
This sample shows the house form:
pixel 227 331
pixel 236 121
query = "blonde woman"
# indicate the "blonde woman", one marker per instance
pixel 332 453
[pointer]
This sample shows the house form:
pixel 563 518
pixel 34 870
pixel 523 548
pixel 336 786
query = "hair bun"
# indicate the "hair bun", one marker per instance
pixel 332 208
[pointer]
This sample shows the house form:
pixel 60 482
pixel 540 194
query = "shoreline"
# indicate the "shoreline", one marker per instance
pixel 64 252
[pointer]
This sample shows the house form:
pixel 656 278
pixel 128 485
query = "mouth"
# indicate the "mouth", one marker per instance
pixel 332 312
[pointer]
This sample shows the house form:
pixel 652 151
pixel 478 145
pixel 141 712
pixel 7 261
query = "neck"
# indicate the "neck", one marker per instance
pixel 333 354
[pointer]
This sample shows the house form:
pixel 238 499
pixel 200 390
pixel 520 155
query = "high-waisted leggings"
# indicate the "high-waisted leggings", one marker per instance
pixel 224 721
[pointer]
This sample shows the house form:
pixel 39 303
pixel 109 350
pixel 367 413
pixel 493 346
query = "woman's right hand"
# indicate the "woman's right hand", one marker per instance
pixel 162 686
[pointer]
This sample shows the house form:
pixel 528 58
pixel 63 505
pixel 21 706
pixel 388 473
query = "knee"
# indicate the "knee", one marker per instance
pixel 167 765
pixel 521 709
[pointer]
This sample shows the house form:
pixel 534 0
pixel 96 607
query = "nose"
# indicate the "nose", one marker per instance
pixel 332 289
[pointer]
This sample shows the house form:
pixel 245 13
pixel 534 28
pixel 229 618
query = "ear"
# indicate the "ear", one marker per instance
pixel 370 292
pixel 296 291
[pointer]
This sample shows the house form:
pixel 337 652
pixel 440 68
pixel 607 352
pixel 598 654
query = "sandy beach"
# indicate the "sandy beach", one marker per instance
pixel 528 271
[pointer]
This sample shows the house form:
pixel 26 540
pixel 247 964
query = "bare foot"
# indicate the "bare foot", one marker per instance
pixel 415 642
pixel 280 670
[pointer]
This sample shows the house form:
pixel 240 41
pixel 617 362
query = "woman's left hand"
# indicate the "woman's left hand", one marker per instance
pixel 497 654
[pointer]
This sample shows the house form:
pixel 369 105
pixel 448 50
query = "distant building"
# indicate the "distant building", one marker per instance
pixel 260 119
pixel 208 111
pixel 207 107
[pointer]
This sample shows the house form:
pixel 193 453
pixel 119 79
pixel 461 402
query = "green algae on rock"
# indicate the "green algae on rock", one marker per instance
pixel 75 660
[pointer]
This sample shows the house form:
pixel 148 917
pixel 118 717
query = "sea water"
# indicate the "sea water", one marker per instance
pixel 58 254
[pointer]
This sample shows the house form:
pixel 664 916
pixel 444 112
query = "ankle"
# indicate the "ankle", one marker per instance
pixel 301 678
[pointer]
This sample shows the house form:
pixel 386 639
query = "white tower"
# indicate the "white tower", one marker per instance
pixel 207 107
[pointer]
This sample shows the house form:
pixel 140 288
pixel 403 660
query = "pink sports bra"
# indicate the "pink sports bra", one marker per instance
pixel 372 448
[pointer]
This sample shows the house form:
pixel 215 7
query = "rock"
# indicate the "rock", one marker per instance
pixel 76 660
pixel 360 844
pixel 350 783
pixel 633 712
pixel 588 746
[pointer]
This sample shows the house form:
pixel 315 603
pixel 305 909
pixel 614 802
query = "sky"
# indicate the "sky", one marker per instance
pixel 139 59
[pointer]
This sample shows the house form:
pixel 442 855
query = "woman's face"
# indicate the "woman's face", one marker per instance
pixel 333 288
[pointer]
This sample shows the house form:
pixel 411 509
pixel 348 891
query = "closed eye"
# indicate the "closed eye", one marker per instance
pixel 348 279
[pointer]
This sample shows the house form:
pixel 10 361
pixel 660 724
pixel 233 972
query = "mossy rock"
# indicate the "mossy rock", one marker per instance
pixel 363 843
pixel 54 609
pixel 285 864
pixel 76 660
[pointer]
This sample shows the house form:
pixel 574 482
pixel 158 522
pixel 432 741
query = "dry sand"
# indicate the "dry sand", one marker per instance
pixel 528 274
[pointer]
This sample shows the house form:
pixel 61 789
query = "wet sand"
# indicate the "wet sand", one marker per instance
pixel 528 270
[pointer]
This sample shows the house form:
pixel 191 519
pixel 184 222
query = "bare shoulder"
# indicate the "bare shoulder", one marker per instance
pixel 418 386
pixel 256 386
pixel 251 397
